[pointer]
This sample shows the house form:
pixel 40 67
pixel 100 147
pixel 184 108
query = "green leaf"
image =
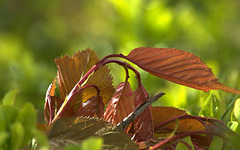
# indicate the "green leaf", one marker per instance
pixel 211 107
pixel 17 135
pixel 72 147
pixel 217 143
pixel 233 125
pixel 88 143
pixel 8 115
pixel 9 97
pixel 236 110
pixel 28 117
pixel 3 137
pixel 41 139
pixel 181 146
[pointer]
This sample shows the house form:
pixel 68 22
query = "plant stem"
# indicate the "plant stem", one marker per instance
pixel 126 121
pixel 181 135
pixel 102 62
pixel 76 89
pixel 125 64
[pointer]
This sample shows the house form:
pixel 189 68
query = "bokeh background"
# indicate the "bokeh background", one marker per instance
pixel 33 33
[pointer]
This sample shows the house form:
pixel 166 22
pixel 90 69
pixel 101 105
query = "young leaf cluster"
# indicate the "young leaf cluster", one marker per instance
pixel 85 86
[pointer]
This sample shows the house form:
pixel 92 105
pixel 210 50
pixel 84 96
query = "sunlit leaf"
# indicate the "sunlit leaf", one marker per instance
pixel 177 66
pixel 9 97
pixel 121 104
pixel 161 114
pixel 101 78
pixel 181 146
pixel 143 124
pixel 233 125
pixel 92 108
pixel 211 107
pixel 217 143
pixel 88 143
pixel 72 69
pixel 236 109
pixel 165 124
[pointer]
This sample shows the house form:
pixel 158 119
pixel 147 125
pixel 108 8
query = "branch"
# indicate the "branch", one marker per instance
pixel 126 121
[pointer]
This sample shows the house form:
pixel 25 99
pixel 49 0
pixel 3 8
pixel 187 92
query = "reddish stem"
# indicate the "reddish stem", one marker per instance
pixel 186 144
pixel 185 117
pixel 102 62
pixel 182 135
pixel 200 119
pixel 125 64
pixel 75 91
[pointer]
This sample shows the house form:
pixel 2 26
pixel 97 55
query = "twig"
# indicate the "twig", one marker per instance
pixel 126 121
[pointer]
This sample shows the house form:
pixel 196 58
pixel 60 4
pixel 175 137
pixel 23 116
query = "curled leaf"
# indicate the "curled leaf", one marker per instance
pixel 143 124
pixel 71 69
pixel 161 114
pixel 177 66
pixel 121 104
pixel 49 104
pixel 92 108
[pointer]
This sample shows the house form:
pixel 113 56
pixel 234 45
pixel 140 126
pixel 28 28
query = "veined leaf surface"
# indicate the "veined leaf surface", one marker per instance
pixel 121 104
pixel 91 108
pixel 73 130
pixel 161 114
pixel 177 66
pixel 71 69
pixel 143 124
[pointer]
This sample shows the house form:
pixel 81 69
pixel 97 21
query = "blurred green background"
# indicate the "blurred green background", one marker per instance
pixel 33 33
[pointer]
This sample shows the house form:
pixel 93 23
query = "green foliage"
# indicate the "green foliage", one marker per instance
pixel 236 110
pixel 88 143
pixel 181 146
pixel 235 122
pixel 211 105
pixel 31 38
pixel 9 97
pixel 217 143
pixel 17 126
pixel 27 50
pixel 92 143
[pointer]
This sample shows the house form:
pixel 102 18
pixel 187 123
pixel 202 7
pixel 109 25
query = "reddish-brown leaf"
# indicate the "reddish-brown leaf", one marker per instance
pixel 121 104
pixel 75 125
pixel 71 69
pixel 164 114
pixel 56 103
pixel 161 114
pixel 177 66
pixel 143 124
pixel 49 104
pixel 92 108
pixel 73 130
